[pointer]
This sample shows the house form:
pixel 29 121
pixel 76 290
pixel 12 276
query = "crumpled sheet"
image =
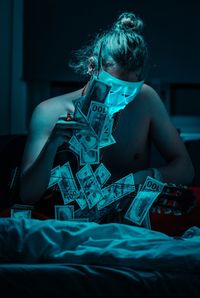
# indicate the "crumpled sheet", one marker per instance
pixel 53 241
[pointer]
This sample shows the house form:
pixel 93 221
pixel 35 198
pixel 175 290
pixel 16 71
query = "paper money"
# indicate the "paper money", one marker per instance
pixel 97 116
pixel 17 213
pixel 107 129
pixel 89 157
pixel 107 142
pixel 67 185
pixel 116 191
pixel 81 200
pixel 79 115
pixel 75 145
pixel 89 185
pixel 144 200
pixel 102 174
pixel 147 222
pixel 55 176
pixel 87 139
pixel 97 91
pixel 64 212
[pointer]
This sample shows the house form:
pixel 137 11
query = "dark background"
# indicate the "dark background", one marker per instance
pixel 54 28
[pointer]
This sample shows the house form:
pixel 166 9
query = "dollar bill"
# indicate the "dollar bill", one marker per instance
pixel 89 185
pixel 23 207
pixel 81 200
pixel 89 157
pixel 75 145
pixel 67 185
pixel 107 142
pixel 55 176
pixel 107 130
pixel 64 212
pixel 97 91
pixel 144 200
pixel 87 139
pixel 153 185
pixel 102 174
pixel 17 213
pixel 147 221
pixel 79 115
pixel 116 191
pixel 97 115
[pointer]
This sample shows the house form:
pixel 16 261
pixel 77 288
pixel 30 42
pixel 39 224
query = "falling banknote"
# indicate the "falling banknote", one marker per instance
pixel 68 185
pixel 102 174
pixel 89 185
pixel 96 116
pixel 144 200
pixel 55 177
pixel 116 191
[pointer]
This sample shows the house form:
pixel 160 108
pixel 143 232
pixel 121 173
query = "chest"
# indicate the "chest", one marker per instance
pixel 131 150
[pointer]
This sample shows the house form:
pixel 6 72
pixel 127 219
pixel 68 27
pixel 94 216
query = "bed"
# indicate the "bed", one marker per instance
pixel 43 257
pixel 53 258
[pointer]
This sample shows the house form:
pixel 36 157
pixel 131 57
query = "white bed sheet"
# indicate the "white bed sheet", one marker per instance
pixel 51 241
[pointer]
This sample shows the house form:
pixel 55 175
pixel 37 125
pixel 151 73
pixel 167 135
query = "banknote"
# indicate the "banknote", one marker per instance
pixel 64 212
pixel 81 200
pixel 23 207
pixel 144 200
pixel 79 115
pixel 97 91
pixel 97 115
pixel 147 221
pixel 67 185
pixel 117 190
pixel 55 176
pixel 102 174
pixel 107 129
pixel 87 138
pixel 75 145
pixel 89 185
pixel 107 142
pixel 152 185
pixel 17 213
pixel 89 157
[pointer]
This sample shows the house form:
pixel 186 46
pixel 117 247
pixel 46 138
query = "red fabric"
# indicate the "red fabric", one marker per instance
pixel 177 225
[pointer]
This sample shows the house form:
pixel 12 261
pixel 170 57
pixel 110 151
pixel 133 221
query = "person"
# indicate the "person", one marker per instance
pixel 121 54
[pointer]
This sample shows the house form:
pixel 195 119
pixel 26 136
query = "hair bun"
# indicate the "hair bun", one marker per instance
pixel 129 22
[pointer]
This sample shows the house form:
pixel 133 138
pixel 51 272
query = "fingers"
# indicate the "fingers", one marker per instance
pixel 71 125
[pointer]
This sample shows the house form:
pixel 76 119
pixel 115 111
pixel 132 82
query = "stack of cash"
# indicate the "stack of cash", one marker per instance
pixel 87 143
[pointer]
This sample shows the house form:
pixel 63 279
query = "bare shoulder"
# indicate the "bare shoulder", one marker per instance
pixel 151 100
pixel 147 92
pixel 48 111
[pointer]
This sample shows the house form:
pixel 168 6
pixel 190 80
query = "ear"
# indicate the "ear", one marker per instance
pixel 91 65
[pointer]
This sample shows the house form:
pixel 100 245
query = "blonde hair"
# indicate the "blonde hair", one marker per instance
pixel 123 45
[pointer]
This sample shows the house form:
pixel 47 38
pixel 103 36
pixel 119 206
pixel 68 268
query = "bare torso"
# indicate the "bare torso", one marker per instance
pixel 130 153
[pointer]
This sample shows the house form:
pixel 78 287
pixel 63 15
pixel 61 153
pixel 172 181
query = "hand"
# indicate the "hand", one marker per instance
pixel 63 130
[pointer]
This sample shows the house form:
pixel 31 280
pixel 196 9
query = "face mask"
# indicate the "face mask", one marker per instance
pixel 121 92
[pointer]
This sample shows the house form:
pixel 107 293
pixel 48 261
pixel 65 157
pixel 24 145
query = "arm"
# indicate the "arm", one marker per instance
pixel 38 157
pixel 179 168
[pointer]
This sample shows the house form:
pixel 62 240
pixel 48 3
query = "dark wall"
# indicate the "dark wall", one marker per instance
pixel 54 28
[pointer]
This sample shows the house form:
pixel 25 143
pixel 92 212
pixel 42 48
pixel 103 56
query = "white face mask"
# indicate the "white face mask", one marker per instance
pixel 121 92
